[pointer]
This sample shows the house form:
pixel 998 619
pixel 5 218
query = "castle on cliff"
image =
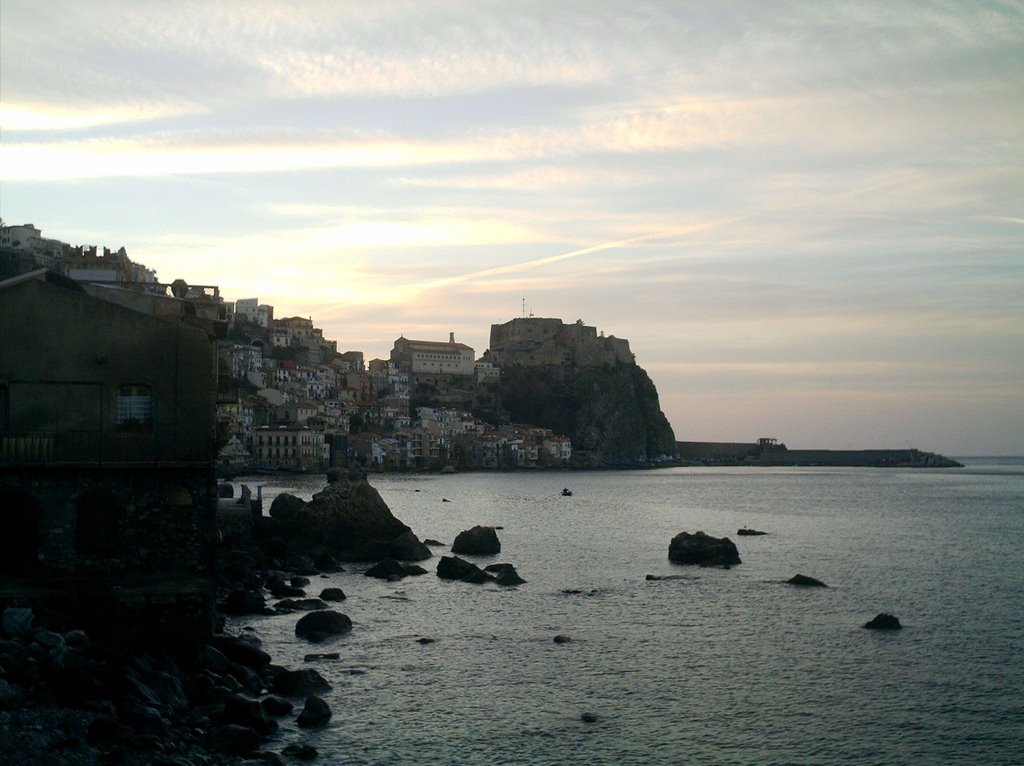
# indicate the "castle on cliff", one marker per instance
pixel 534 341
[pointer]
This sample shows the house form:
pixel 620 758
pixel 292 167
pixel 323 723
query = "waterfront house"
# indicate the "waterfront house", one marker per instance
pixel 107 444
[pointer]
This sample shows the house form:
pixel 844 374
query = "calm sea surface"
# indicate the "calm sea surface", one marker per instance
pixel 719 667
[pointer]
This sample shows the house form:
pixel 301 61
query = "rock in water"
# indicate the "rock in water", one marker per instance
pixel 883 622
pixel 799 579
pixel 505 574
pixel 745 531
pixel 478 541
pixel 386 569
pixel 315 713
pixel 348 519
pixel 301 752
pixel 703 549
pixel 407 547
pixel 296 683
pixel 316 626
pixel 454 568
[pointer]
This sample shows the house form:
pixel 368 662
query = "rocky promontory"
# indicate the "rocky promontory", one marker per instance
pixel 581 384
pixel 347 520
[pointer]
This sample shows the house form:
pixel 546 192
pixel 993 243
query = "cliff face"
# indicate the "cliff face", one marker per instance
pixel 580 384
pixel 611 411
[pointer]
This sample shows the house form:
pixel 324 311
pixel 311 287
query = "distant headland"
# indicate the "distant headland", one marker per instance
pixel 770 452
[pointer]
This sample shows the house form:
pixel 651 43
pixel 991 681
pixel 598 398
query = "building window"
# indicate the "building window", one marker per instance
pixel 134 408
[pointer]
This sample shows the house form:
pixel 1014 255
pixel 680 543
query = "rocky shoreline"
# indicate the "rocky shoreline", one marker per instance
pixel 67 698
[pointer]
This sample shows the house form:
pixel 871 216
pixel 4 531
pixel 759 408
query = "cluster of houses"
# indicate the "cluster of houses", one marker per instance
pixel 290 401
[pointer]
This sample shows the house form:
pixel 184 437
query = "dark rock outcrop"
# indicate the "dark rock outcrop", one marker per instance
pixel 316 712
pixel 301 752
pixel 505 574
pixel 391 569
pixel 299 683
pixel 407 547
pixel 747 532
pixel 241 651
pixel 276 706
pixel 242 710
pixel 703 549
pixel 805 581
pixel 301 604
pixel 478 541
pixel 883 622
pixel 454 568
pixel 347 519
pixel 316 626
pixel 243 601
pixel 332 594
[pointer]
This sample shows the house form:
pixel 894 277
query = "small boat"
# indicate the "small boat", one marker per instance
pixel 566 492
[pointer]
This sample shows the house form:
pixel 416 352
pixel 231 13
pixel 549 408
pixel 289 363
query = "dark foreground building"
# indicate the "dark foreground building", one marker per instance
pixel 107 431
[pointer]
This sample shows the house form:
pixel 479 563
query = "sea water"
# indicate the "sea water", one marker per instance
pixel 714 666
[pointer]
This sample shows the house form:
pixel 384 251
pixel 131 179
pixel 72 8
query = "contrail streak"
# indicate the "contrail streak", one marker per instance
pixel 410 290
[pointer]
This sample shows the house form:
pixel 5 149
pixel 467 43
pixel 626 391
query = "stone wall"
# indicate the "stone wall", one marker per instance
pixel 127 550
pixel 532 341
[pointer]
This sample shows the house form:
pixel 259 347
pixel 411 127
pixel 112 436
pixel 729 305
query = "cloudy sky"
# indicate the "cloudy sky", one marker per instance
pixel 806 217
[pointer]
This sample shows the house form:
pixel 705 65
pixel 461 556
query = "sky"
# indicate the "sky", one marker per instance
pixel 806 217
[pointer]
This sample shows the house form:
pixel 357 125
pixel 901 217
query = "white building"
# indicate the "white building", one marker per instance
pixel 246 309
pixel 433 357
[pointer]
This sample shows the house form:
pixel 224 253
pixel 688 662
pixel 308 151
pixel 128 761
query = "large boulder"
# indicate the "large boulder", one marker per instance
pixel 703 549
pixel 244 711
pixel 883 622
pixel 386 570
pixel 314 713
pixel 505 574
pixel 347 519
pixel 454 568
pixel 478 541
pixel 316 626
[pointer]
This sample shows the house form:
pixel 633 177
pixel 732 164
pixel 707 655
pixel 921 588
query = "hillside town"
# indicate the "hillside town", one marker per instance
pixel 288 400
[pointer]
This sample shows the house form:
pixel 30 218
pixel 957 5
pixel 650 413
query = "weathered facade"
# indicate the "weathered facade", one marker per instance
pixel 107 431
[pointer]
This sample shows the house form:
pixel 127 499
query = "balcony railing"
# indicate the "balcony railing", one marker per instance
pixel 179 290
pixel 92 448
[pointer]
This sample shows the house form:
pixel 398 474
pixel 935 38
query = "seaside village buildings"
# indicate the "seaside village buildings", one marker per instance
pixel 285 397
